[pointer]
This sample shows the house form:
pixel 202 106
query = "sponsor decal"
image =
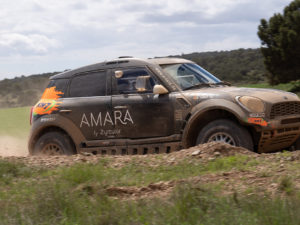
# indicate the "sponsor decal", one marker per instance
pixel 48 119
pixel 48 103
pixel 203 96
pixel 107 133
pixel 257 114
pixel 258 121
pixel 102 119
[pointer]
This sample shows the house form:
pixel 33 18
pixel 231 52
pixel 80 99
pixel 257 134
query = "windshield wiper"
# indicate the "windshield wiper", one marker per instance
pixel 199 86
pixel 223 83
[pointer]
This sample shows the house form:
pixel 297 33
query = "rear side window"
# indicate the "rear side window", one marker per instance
pixel 90 84
pixel 59 85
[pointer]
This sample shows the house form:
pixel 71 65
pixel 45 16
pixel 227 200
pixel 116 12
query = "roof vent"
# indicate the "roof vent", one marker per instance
pixel 122 57
pixel 117 62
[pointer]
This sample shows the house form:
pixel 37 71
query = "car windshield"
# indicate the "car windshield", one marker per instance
pixel 189 75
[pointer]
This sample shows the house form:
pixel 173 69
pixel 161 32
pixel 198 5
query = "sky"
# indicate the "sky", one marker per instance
pixel 39 36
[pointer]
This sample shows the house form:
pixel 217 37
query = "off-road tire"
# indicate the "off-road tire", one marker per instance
pixel 54 143
pixel 234 133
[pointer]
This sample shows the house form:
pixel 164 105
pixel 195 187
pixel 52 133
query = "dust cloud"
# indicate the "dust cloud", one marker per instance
pixel 12 146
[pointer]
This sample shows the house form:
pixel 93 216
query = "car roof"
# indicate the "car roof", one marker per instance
pixel 168 60
pixel 122 61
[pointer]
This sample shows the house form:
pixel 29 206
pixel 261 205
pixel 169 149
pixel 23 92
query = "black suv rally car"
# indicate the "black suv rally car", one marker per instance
pixel 135 106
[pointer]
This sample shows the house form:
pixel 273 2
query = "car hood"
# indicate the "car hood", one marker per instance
pixel 267 95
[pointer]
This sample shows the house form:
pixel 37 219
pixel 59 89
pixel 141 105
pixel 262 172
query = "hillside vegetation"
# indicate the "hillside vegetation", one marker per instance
pixel 23 91
pixel 237 66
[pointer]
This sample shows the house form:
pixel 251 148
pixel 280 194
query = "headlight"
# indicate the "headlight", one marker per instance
pixel 252 104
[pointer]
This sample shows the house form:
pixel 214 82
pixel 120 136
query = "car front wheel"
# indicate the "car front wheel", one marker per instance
pixel 225 131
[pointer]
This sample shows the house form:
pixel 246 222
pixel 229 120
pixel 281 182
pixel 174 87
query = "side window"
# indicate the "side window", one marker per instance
pixel 56 88
pixel 127 83
pixel 91 84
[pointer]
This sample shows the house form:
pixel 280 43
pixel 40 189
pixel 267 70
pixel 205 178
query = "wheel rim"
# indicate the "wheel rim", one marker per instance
pixel 52 149
pixel 222 137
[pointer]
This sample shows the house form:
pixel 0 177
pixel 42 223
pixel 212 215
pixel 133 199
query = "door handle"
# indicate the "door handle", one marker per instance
pixel 121 107
pixel 65 110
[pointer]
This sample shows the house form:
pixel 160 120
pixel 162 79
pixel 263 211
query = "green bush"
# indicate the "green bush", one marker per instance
pixel 295 86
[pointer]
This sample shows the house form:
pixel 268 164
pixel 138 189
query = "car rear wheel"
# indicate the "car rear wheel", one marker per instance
pixel 54 143
pixel 225 131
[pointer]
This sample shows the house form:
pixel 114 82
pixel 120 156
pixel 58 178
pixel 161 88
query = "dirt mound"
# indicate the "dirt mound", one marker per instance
pixel 204 152
pixel 212 150
pixel 161 189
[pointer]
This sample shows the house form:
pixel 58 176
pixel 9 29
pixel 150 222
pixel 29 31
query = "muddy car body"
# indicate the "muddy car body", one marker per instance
pixel 135 106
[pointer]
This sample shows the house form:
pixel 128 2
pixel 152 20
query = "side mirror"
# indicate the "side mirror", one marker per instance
pixel 160 89
pixel 142 83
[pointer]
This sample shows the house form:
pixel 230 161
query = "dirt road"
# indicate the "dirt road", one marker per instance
pixel 12 146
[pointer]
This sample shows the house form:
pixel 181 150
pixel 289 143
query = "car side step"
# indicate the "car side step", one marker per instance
pixel 134 149
pixel 129 142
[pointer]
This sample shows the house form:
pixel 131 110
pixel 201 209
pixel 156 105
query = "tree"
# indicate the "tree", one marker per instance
pixel 280 39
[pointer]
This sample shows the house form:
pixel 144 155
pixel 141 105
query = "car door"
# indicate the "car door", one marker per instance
pixel 88 105
pixel 139 114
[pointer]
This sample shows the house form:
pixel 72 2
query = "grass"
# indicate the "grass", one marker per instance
pixel 133 174
pixel 141 175
pixel 77 195
pixel 57 203
pixel 284 87
pixel 15 122
pixel 286 184
pixel 12 171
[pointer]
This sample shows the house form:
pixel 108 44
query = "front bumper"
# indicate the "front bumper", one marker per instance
pixel 279 134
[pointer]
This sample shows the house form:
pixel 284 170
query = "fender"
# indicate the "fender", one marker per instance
pixel 55 120
pixel 211 104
